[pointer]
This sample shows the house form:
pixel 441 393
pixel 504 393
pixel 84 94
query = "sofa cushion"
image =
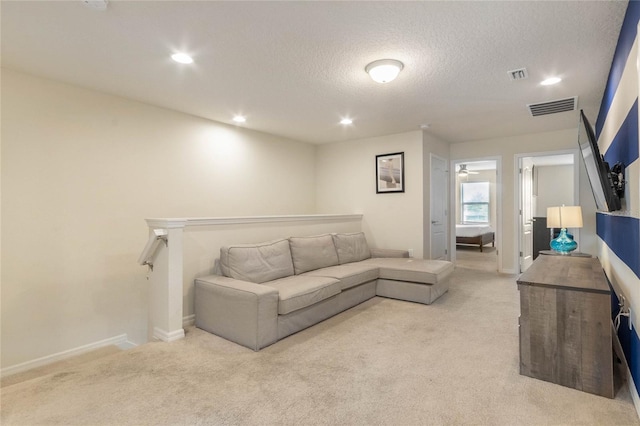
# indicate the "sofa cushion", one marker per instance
pixel 309 253
pixel 300 291
pixel 351 247
pixel 350 274
pixel 412 270
pixel 257 263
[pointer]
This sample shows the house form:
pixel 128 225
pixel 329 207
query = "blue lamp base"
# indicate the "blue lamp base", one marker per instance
pixel 563 244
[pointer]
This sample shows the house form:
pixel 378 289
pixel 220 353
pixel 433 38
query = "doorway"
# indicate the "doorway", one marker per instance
pixel 476 202
pixel 544 180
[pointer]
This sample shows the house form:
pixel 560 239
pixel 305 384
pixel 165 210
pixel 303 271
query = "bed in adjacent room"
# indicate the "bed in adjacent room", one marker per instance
pixel 479 235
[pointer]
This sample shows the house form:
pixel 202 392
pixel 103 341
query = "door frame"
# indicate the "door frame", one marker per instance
pixel 447 213
pixel 453 201
pixel 517 178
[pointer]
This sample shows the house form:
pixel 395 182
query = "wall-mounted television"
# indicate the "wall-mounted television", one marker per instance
pixel 607 185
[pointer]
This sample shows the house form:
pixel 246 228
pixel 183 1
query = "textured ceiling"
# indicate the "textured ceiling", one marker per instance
pixel 296 68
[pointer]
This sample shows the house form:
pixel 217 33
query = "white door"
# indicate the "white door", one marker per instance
pixel 439 201
pixel 526 214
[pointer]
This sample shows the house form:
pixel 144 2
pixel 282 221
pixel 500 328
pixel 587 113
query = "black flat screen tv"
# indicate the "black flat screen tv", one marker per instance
pixel 602 183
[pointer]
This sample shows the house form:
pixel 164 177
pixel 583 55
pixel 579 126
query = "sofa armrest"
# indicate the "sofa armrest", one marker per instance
pixel 389 253
pixel 240 311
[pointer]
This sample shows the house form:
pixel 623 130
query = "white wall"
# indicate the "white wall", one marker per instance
pixel 346 183
pixel 507 148
pixel 554 187
pixel 80 172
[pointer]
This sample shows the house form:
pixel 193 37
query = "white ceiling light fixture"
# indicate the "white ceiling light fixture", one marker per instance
pixel 550 81
pixel 182 58
pixel 239 119
pixel 96 4
pixel 346 121
pixel 384 70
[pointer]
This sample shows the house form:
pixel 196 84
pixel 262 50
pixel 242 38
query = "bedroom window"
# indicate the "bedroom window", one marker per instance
pixel 475 202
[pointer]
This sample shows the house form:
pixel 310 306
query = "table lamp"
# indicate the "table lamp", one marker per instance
pixel 564 217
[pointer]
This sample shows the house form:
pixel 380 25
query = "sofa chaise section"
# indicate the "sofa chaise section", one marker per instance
pixel 413 280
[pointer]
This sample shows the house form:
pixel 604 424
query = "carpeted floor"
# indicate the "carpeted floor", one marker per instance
pixel 470 257
pixel 384 362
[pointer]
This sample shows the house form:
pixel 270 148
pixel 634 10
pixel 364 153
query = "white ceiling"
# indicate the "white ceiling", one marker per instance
pixel 296 68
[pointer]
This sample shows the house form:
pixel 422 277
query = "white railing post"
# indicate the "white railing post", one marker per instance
pixel 166 283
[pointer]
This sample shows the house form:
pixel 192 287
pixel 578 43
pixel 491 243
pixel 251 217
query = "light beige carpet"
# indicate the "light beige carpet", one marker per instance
pixel 384 362
pixel 471 257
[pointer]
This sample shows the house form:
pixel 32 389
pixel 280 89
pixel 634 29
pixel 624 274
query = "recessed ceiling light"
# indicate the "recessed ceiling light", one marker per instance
pixel 346 121
pixel 239 119
pixel 550 81
pixel 182 58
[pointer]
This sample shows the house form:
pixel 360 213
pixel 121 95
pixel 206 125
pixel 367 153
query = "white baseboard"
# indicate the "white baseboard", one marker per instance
pixel 189 320
pixel 120 341
pixel 634 392
pixel 625 367
pixel 165 336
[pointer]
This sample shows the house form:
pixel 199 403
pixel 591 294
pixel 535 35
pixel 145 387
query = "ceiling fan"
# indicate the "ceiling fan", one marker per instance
pixel 463 171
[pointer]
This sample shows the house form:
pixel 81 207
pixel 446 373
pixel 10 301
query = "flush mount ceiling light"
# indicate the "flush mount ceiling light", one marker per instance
pixel 182 58
pixel 346 121
pixel 384 70
pixel 239 119
pixel 551 80
pixel 96 4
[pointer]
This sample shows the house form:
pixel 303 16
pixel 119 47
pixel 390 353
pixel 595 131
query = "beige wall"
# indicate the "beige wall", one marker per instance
pixel 345 182
pixel 80 172
pixel 507 148
pixel 549 192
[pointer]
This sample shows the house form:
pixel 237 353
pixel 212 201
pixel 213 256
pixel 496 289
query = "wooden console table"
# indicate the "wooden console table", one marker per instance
pixel 565 324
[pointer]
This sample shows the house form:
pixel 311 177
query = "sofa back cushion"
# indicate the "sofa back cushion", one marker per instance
pixel 257 263
pixel 351 247
pixel 309 253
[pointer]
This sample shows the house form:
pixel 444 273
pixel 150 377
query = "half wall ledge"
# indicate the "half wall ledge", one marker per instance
pixel 184 257
pixel 165 223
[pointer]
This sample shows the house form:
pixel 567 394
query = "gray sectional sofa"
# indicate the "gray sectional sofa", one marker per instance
pixel 265 292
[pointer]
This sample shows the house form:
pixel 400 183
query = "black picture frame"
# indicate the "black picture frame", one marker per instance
pixel 390 173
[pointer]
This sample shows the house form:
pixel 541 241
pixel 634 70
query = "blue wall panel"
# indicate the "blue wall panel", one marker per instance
pixel 625 43
pixel 622 233
pixel 624 147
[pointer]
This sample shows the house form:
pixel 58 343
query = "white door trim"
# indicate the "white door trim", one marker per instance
pixel 448 221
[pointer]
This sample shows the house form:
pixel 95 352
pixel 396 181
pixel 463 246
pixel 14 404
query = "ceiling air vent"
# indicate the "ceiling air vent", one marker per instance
pixel 553 107
pixel 519 74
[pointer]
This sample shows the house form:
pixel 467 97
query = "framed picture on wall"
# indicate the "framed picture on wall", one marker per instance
pixel 390 173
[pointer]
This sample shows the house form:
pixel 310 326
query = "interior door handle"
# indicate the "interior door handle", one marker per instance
pixel 433 222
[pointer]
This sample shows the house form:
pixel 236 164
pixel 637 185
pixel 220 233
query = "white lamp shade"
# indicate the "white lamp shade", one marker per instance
pixel 571 216
pixel 384 70
pixel 553 217
pixel 564 217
